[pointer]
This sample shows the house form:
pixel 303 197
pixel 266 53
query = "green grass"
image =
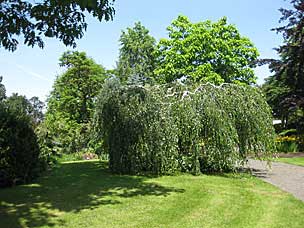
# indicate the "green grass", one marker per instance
pixel 293 161
pixel 85 194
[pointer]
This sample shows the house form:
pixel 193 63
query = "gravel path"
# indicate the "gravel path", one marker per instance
pixel 289 178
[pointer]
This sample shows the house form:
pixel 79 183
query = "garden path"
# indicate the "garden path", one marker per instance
pixel 289 178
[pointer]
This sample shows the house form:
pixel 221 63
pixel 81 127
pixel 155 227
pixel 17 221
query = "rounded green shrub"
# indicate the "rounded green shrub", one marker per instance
pixel 19 149
pixel 170 128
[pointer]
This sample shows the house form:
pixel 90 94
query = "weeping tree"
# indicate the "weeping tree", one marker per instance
pixel 164 129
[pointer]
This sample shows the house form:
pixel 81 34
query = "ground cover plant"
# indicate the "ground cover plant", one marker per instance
pixel 170 128
pixel 85 194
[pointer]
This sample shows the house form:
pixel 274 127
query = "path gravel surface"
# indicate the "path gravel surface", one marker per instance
pixel 289 178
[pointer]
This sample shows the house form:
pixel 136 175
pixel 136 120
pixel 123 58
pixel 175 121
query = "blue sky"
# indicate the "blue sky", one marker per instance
pixel 32 71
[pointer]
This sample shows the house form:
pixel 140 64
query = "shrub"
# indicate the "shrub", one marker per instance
pixel 164 129
pixel 287 144
pixel 19 150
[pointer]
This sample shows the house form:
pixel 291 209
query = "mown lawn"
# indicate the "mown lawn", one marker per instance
pixel 85 194
pixel 293 161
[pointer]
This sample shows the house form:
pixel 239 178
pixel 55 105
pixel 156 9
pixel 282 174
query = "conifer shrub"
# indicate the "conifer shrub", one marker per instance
pixel 172 128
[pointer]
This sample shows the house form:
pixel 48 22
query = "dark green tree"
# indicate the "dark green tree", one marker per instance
pixel 136 55
pixel 22 106
pixel 61 19
pixel 71 103
pixel 276 92
pixel 20 157
pixel 285 89
pixel 206 52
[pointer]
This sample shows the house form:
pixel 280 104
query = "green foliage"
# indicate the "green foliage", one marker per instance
pixel 64 20
pixel 130 126
pixel 275 92
pixel 288 132
pixel 78 156
pixel 136 55
pixel 71 103
pixel 205 52
pixel 19 149
pixel 285 89
pixel 287 142
pixel 22 106
pixel 20 157
pixel 287 147
pixel 290 68
pixel 163 129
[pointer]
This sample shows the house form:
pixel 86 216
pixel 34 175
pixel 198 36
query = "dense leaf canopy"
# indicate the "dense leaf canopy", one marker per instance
pixel 71 103
pixel 285 89
pixel 61 19
pixel 20 156
pixel 164 129
pixel 136 55
pixel 206 52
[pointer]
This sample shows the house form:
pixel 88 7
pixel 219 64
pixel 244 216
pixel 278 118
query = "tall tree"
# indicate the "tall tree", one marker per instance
pixel 71 103
pixel 61 19
pixel 74 91
pixel 136 55
pixel 206 52
pixel 288 71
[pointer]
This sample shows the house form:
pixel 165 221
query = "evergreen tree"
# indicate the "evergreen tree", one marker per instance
pixel 136 55
pixel 285 89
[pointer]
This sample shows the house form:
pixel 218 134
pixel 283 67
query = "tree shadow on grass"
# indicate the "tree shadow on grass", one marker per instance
pixel 72 187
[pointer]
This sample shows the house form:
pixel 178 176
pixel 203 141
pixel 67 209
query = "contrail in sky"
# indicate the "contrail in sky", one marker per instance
pixel 27 71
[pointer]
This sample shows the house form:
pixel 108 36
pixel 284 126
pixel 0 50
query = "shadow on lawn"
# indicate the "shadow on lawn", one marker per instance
pixel 71 188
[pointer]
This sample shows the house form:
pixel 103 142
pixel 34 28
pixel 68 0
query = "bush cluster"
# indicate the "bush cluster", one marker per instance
pixel 20 159
pixel 170 128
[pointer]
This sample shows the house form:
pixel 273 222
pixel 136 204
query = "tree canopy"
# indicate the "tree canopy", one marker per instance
pixel 74 91
pixel 136 55
pixel 22 106
pixel 285 89
pixel 61 19
pixel 206 52
pixel 20 157
pixel 71 103
pixel 163 129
